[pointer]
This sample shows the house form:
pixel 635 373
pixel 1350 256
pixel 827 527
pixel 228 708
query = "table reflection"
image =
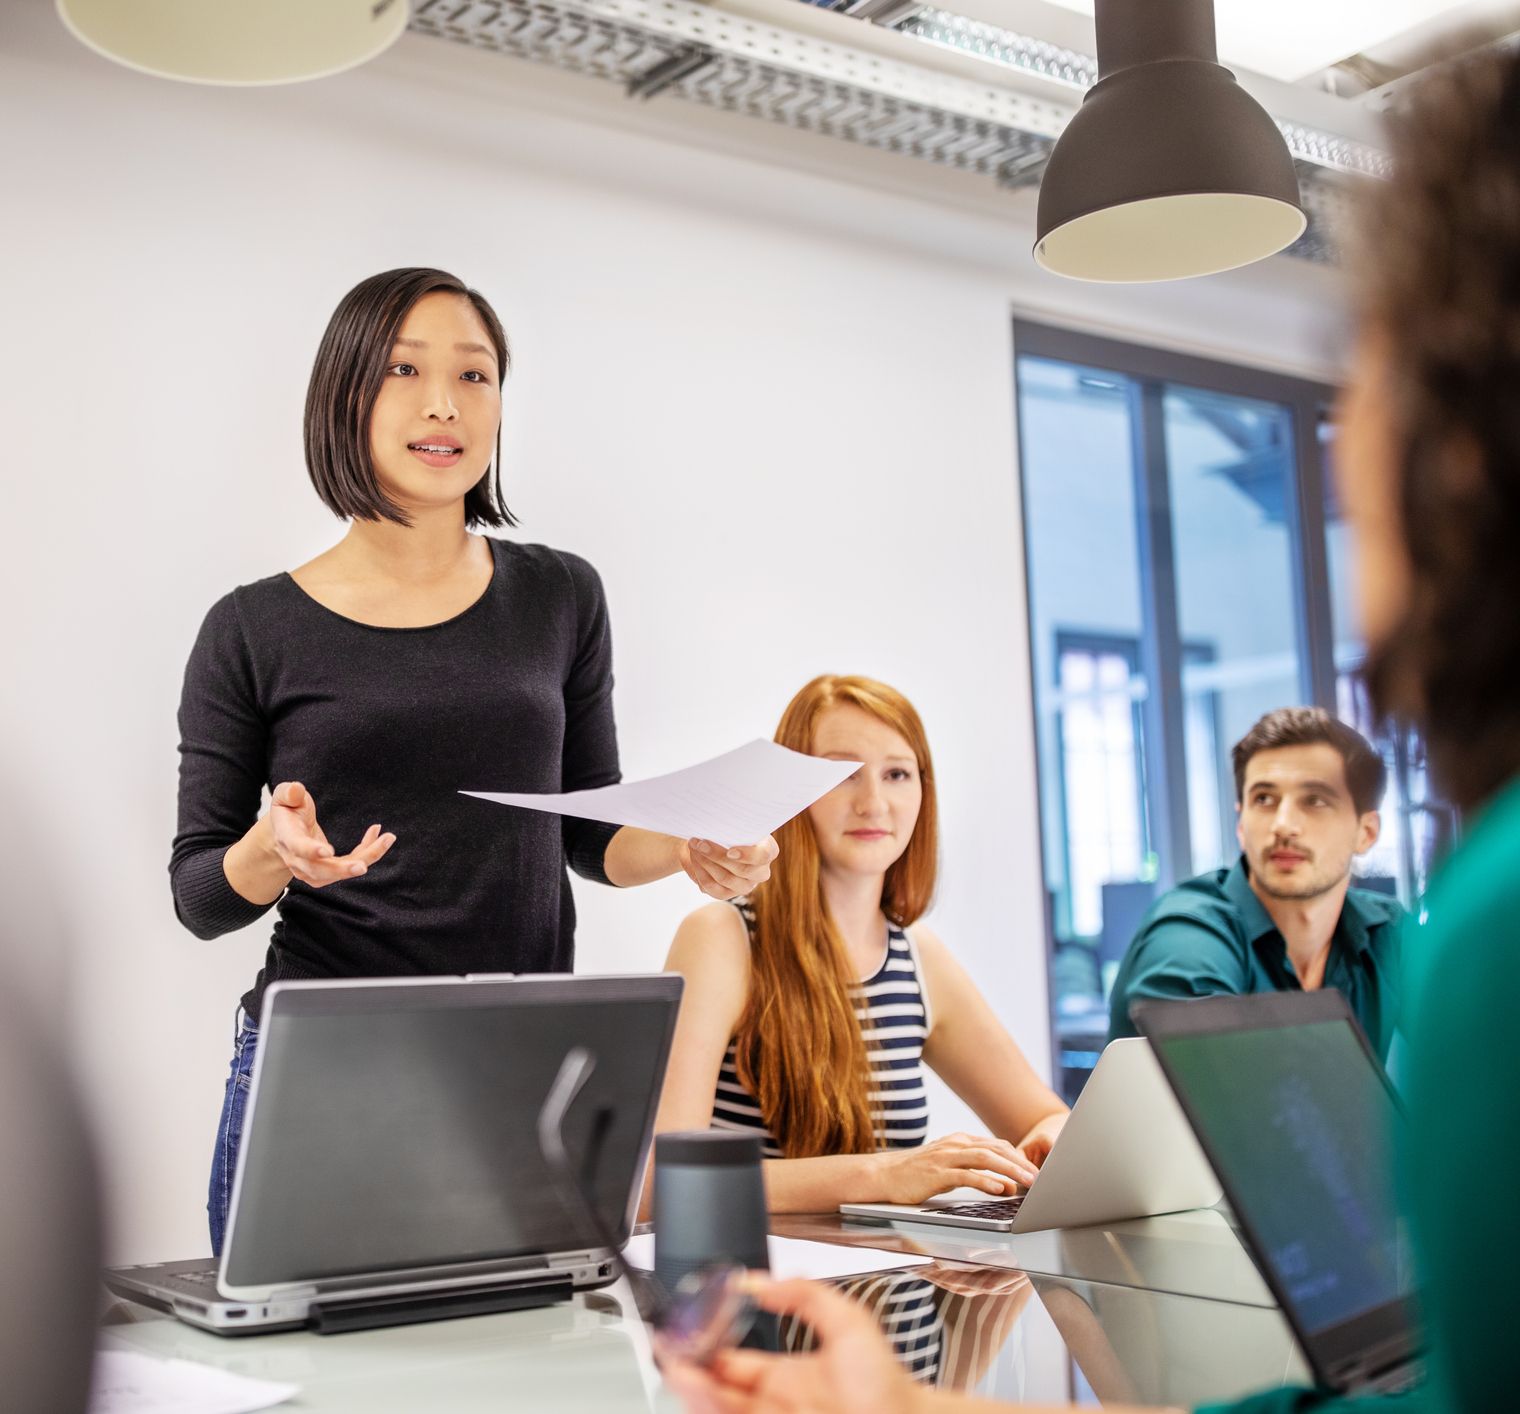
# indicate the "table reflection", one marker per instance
pixel 1137 1313
pixel 946 1323
pixel 1196 1253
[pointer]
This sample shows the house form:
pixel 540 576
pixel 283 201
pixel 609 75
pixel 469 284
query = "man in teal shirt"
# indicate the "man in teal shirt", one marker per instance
pixel 1284 917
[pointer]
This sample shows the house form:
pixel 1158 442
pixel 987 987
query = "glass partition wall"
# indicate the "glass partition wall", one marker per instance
pixel 1187 571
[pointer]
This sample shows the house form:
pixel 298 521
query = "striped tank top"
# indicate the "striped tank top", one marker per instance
pixel 893 1010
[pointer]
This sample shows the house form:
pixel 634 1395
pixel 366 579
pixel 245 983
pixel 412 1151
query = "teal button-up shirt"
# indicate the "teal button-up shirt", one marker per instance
pixel 1212 936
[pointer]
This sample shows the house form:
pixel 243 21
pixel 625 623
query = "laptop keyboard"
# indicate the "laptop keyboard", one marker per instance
pixel 998 1208
pixel 200 1283
pixel 1398 1381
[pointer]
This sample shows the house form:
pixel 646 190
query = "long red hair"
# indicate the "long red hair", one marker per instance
pixel 799 1046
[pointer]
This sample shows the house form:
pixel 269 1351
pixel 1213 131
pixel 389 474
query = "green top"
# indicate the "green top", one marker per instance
pixel 1212 936
pixel 1461 1148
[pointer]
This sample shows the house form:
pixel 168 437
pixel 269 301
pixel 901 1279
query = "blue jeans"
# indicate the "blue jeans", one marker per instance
pixel 229 1132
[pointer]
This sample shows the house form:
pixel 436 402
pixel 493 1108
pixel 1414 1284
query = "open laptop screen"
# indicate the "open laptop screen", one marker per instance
pixel 1300 1121
pixel 1300 1124
pixel 393 1125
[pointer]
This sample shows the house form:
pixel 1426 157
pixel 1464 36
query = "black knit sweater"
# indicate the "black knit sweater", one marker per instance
pixel 387 724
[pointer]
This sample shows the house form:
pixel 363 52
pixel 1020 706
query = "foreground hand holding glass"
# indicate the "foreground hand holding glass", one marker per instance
pixel 851 1368
pixel 708 1310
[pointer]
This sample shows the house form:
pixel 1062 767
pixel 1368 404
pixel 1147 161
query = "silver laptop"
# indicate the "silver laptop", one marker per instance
pixel 1127 1151
pixel 390 1169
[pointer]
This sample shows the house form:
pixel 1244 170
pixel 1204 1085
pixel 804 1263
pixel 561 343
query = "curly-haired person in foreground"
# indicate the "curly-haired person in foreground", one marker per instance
pixel 1429 472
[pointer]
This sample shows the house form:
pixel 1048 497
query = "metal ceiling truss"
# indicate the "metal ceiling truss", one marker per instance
pixel 1309 146
pixel 688 49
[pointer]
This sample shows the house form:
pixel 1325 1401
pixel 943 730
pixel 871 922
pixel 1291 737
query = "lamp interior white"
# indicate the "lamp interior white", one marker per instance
pixel 1170 237
pixel 236 42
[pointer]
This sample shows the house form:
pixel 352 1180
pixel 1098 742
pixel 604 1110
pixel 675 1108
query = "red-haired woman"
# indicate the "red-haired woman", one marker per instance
pixel 812 1007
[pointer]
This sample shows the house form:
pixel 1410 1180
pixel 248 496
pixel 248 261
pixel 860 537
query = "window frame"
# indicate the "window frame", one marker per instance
pixel 1149 370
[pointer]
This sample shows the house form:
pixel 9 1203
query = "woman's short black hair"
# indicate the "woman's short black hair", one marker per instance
pixel 346 380
pixel 1439 271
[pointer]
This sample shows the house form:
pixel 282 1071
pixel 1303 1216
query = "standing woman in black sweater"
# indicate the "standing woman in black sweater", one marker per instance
pixel 410 661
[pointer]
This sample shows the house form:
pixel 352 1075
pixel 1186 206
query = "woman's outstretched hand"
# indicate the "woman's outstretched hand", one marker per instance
pixel 727 873
pixel 304 849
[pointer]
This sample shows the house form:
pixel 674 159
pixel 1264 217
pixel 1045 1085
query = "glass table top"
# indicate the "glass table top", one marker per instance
pixel 1000 1327
pixel 1195 1253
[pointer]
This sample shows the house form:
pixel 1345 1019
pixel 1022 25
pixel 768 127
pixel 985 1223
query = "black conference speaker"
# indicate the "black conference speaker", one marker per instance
pixel 709 1203
pixel 709 1210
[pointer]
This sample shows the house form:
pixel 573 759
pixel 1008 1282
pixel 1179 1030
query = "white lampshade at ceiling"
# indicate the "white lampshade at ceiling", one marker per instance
pixel 237 41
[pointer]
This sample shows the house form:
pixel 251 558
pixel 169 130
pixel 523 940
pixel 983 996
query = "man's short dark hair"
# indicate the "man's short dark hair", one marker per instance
pixel 345 382
pixel 1366 775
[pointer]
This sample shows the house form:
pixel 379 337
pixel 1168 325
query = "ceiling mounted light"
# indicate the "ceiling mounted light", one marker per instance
pixel 236 41
pixel 1169 168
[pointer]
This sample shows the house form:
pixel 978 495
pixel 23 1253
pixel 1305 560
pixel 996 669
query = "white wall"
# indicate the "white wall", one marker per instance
pixel 763 382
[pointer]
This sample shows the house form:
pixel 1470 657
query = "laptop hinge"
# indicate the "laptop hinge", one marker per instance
pixel 1371 1366
pixel 335 1317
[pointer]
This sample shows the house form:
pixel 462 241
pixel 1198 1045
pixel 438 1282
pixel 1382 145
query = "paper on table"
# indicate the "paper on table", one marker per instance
pixel 126 1382
pixel 734 799
pixel 797 1257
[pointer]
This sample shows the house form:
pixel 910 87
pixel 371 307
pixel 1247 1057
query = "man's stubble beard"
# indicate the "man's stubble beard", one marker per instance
pixel 1314 887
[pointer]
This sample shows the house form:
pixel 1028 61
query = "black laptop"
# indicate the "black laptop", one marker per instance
pixel 390 1169
pixel 1300 1121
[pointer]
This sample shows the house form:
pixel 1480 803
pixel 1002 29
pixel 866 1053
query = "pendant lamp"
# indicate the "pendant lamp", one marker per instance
pixel 1169 168
pixel 236 41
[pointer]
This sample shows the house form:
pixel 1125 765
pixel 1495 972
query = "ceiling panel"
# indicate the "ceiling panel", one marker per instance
pixel 1290 39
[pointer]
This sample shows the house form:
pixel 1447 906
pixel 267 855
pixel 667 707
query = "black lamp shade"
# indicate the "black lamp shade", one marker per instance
pixel 1169 168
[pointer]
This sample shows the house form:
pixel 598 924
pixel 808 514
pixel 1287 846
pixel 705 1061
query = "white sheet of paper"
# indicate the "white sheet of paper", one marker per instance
pixel 126 1382
pixel 797 1257
pixel 734 799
